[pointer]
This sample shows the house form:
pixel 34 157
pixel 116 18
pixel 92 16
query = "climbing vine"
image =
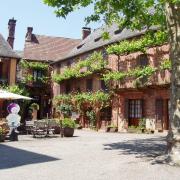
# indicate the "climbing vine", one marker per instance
pixel 83 68
pixel 150 39
pixel 34 65
pixel 97 99
pixel 166 64
pixel 136 73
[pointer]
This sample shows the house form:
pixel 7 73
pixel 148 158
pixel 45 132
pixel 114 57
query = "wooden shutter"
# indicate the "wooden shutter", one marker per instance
pixel 142 60
pixel 126 109
pixel 143 108
pixel 159 114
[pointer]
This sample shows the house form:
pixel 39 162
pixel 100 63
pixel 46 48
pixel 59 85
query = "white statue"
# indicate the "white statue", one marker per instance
pixel 13 118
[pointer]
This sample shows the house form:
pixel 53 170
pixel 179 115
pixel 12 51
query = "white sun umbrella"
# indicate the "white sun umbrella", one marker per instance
pixel 10 96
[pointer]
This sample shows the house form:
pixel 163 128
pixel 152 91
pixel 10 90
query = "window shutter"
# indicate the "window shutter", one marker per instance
pixel 159 113
pixel 126 109
pixel 142 60
pixel 143 108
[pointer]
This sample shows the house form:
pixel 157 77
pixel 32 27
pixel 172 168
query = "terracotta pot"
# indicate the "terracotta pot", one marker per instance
pixel 68 132
pixel 2 137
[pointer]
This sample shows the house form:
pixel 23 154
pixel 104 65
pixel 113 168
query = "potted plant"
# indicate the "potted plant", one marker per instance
pixel 92 118
pixel 65 109
pixel 112 128
pixel 2 134
pixel 142 125
pixel 68 125
pixel 35 108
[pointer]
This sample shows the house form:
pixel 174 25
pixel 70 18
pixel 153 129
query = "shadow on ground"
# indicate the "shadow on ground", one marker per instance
pixel 11 157
pixel 142 148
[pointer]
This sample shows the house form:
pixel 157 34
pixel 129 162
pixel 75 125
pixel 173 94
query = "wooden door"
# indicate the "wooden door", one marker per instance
pixel 159 114
pixel 135 112
pixel 167 114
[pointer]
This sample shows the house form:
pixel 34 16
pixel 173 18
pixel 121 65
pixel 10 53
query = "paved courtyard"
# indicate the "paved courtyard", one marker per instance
pixel 87 156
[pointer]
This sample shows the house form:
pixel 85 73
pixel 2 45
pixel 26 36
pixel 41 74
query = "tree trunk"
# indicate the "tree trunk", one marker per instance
pixel 173 138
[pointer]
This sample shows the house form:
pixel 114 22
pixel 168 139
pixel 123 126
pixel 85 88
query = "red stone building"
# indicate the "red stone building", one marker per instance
pixel 42 50
pixel 131 103
pixel 8 61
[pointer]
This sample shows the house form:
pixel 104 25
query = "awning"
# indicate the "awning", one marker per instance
pixel 10 96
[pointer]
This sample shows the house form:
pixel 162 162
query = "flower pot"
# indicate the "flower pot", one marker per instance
pixel 113 129
pixel 2 137
pixel 68 132
pixel 107 129
pixel 143 130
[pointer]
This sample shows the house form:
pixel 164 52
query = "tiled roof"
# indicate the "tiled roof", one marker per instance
pixel 48 48
pixel 19 53
pixel 5 49
pixel 95 41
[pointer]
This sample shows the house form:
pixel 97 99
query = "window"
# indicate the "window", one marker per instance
pixel 103 86
pixel 37 74
pixel 68 88
pixel 105 114
pixel 69 64
pixel 58 68
pixel 135 108
pixel 142 60
pixel 89 85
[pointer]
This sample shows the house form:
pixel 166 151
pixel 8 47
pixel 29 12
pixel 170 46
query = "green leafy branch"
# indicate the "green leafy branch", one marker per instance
pixel 83 68
pixel 148 40
pixel 34 65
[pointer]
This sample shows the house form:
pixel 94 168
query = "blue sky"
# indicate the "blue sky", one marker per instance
pixel 41 17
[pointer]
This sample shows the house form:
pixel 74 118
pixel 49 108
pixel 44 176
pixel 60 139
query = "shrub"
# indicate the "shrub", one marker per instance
pixel 34 106
pixel 67 122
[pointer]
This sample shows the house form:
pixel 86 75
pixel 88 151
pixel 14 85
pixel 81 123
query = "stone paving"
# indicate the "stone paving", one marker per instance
pixel 87 156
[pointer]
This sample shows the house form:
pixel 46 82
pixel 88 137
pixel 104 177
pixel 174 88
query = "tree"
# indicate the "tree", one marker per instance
pixel 137 14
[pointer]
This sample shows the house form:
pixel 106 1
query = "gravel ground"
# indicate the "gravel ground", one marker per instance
pixel 87 156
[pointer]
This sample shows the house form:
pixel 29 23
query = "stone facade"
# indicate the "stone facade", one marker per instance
pixel 153 98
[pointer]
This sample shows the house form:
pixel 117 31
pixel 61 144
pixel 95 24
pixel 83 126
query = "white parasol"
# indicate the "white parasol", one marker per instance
pixel 10 96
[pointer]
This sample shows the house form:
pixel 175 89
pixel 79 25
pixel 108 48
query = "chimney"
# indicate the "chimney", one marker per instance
pixel 29 34
pixel 85 32
pixel 11 27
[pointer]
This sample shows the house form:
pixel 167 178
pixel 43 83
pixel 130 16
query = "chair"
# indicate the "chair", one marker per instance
pixel 40 128
pixel 29 126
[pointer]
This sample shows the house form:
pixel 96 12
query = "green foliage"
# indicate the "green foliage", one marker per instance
pixel 17 90
pixel 92 117
pixel 137 73
pixel 114 76
pixel 30 78
pixel 34 106
pixel 2 131
pixel 166 64
pixel 67 122
pixel 65 109
pixel 112 126
pixel 98 99
pixel 150 39
pixel 142 123
pixel 34 65
pixel 83 68
pixel 62 99
pixel 131 13
pixel 142 72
